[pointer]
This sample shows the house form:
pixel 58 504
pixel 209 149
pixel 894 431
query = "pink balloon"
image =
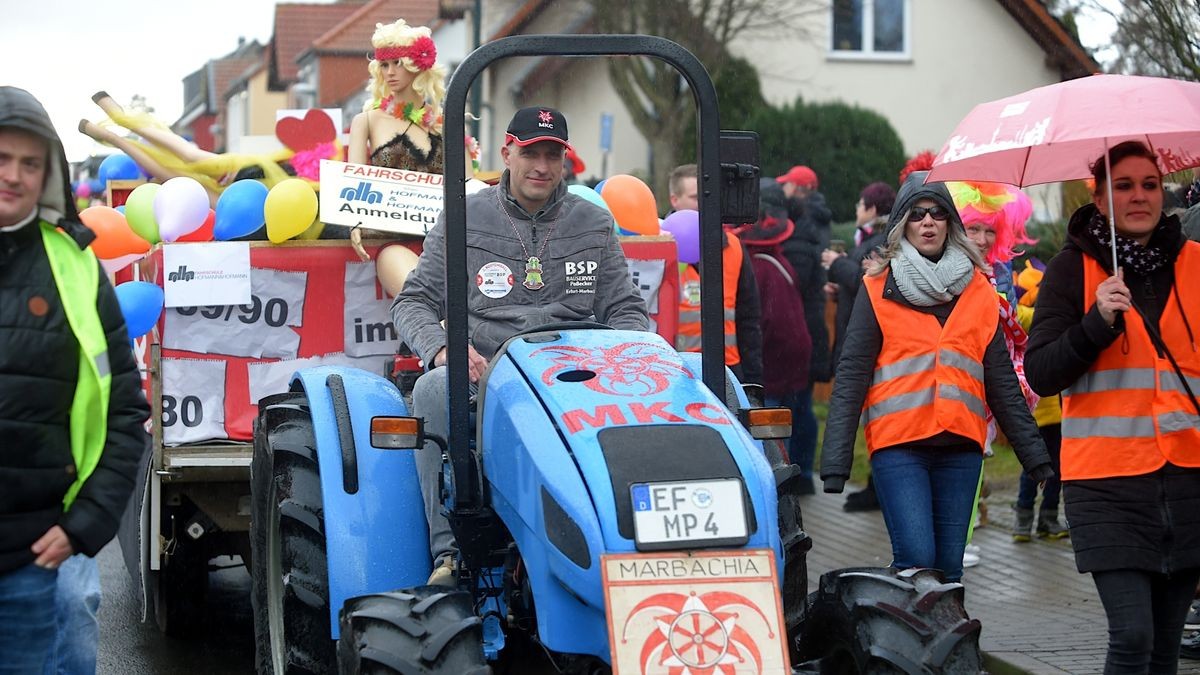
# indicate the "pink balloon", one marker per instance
pixel 685 227
pixel 180 207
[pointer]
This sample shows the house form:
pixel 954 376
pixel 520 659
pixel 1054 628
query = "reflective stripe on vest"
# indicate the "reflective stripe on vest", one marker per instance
pixel 77 276
pixel 687 337
pixel 929 378
pixel 1130 414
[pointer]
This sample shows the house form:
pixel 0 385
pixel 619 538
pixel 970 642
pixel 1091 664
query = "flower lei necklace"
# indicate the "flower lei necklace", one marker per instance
pixel 422 116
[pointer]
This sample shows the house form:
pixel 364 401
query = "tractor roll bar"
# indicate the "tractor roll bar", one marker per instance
pixel 711 236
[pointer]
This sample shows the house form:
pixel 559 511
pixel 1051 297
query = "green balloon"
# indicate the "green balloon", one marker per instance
pixel 139 212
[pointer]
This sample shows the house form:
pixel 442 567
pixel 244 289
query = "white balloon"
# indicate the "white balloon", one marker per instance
pixel 180 207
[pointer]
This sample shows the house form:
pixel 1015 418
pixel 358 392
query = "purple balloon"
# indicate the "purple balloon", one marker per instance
pixel 685 227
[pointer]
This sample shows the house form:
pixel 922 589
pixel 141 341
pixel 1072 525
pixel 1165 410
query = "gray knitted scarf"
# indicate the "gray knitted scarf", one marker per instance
pixel 926 283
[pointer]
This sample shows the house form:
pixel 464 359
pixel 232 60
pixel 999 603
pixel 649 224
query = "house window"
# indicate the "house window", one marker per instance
pixel 870 27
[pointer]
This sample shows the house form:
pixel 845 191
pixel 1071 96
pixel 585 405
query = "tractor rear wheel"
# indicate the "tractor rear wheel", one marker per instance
pixel 877 620
pixel 426 630
pixel 289 578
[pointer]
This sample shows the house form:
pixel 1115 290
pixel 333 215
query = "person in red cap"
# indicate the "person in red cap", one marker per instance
pixel 538 254
pixel 811 217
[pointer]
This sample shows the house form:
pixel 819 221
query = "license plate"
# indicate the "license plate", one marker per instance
pixel 708 512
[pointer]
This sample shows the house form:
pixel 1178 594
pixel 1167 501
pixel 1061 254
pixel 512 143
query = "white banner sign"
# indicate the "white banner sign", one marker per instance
pixel 367 317
pixel 215 273
pixel 647 276
pixel 379 198
pixel 193 400
pixel 273 377
pixel 257 329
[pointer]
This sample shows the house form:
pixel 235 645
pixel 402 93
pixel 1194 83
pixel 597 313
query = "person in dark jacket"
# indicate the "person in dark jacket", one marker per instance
pixel 808 212
pixel 923 353
pixel 71 403
pixel 845 272
pixel 787 346
pixel 1122 349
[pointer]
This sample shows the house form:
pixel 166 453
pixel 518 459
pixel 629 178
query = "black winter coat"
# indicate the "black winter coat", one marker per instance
pixel 803 251
pixel 1149 522
pixel 39 361
pixel 864 340
pixel 847 273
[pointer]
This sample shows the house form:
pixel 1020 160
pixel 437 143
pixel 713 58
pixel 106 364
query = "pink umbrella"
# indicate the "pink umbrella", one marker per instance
pixel 1055 133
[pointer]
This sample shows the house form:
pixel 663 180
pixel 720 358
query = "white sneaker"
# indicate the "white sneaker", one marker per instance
pixel 971 556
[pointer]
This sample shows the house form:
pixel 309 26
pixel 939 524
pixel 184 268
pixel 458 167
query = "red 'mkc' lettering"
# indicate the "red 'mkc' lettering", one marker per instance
pixel 646 414
pixel 576 419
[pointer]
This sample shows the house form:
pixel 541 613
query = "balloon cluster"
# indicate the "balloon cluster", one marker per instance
pixel 630 201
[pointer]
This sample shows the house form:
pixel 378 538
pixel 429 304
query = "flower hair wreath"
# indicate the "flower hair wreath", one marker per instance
pixel 422 52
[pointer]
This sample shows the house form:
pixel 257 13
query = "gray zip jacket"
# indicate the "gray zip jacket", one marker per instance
pixel 582 266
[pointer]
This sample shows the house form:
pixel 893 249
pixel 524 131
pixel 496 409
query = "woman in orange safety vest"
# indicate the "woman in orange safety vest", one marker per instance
pixel 924 358
pixel 1124 352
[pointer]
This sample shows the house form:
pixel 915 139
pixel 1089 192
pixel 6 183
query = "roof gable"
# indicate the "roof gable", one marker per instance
pixel 352 35
pixel 1063 50
pixel 296 27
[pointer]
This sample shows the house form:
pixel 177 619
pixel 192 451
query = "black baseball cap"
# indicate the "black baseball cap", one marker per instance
pixel 530 125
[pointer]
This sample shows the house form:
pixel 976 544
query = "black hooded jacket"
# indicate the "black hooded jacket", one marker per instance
pixel 39 361
pixel 803 250
pixel 1149 522
pixel 864 340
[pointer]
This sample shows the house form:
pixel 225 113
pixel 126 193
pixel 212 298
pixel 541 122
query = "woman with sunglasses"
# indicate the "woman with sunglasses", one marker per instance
pixel 1125 352
pixel 924 354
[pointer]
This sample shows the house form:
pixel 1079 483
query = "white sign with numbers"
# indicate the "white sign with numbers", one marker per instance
pixel 258 329
pixel 273 377
pixel 193 400
pixel 367 316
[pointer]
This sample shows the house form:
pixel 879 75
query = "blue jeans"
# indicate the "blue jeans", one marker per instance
pixel 802 446
pixel 76 604
pixel 26 618
pixel 926 495
pixel 1052 435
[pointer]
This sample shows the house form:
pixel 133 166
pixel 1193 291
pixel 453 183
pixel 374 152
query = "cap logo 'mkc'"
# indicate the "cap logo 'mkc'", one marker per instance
pixel 546 120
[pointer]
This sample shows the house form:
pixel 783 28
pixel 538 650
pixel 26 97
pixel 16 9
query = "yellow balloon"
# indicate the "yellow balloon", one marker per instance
pixel 290 209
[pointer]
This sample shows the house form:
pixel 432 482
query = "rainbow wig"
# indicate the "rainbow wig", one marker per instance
pixel 1001 207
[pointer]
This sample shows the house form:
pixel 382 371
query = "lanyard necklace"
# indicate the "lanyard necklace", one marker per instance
pixel 533 263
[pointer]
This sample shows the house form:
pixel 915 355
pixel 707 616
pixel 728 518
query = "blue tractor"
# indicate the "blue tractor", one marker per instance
pixel 619 507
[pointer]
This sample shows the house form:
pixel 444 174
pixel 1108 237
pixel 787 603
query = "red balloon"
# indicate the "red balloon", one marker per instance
pixel 204 232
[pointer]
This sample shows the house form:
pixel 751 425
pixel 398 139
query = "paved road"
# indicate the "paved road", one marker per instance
pixel 225 644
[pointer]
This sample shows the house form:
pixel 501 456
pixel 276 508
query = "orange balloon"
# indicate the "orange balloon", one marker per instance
pixel 632 204
pixel 204 232
pixel 113 236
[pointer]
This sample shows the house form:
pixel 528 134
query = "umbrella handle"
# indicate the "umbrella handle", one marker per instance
pixel 1112 217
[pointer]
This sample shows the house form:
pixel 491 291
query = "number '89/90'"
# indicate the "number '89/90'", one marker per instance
pixel 273 312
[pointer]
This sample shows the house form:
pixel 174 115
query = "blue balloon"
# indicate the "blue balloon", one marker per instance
pixel 118 167
pixel 96 187
pixel 120 209
pixel 141 305
pixel 588 194
pixel 600 186
pixel 240 210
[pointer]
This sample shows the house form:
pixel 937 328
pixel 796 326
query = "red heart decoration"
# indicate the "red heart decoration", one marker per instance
pixel 305 134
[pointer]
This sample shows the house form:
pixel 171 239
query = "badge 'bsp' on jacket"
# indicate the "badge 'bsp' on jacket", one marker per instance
pixel 1130 414
pixel 929 378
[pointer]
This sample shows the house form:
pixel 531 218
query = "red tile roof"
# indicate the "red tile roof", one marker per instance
pixel 225 71
pixel 353 33
pixel 296 27
pixel 1063 50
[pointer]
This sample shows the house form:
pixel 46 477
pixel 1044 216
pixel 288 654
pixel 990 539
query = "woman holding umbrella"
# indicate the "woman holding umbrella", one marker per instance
pixel 1124 352
pixel 924 354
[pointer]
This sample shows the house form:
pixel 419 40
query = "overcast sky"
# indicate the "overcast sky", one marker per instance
pixel 65 50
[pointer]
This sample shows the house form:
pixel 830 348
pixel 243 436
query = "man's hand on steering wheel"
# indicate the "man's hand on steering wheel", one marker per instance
pixel 476 363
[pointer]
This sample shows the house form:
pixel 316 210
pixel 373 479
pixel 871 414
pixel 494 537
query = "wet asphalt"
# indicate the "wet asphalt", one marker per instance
pixel 223 645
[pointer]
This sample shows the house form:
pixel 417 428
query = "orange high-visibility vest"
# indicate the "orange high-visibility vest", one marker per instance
pixel 1129 414
pixel 929 377
pixel 687 338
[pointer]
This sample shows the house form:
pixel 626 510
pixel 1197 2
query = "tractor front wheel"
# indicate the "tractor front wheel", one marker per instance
pixel 426 630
